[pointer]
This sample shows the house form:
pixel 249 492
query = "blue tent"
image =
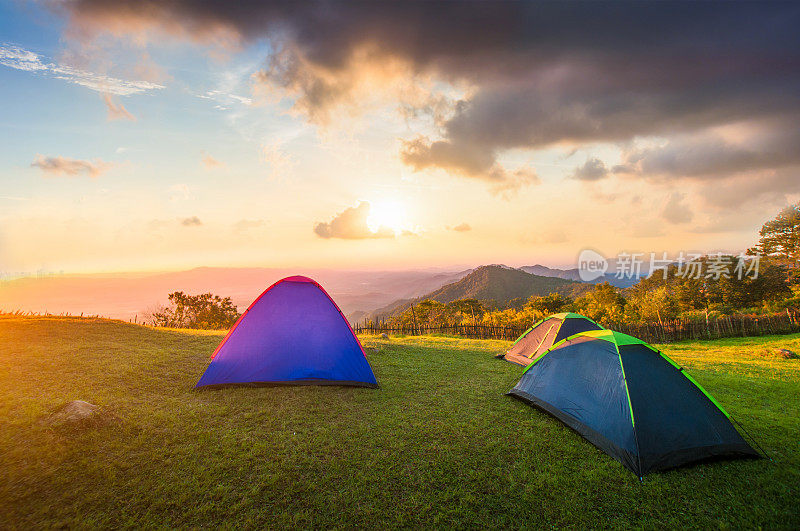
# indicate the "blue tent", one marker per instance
pixel 292 334
pixel 631 401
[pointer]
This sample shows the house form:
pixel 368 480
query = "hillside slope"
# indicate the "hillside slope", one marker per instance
pixel 497 283
pixel 500 284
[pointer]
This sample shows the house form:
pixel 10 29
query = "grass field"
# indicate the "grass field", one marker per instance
pixel 437 445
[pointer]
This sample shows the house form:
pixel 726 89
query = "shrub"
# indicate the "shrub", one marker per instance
pixel 205 311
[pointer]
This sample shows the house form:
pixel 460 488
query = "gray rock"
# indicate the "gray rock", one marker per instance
pixel 384 336
pixel 77 412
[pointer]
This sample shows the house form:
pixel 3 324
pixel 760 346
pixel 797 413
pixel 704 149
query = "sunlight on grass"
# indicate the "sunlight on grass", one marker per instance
pixel 437 444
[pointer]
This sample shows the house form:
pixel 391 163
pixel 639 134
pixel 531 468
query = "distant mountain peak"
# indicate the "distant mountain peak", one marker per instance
pixel 574 275
pixel 499 283
pixel 493 282
pixel 501 266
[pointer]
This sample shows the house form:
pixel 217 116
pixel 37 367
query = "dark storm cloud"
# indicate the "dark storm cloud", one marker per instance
pixel 542 73
pixel 465 33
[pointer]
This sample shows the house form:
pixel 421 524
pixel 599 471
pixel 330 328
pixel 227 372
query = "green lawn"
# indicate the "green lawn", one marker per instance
pixel 437 445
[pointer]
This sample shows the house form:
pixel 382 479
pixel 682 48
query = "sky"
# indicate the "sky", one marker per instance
pixel 145 136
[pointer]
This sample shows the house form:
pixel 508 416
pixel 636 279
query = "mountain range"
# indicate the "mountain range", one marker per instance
pixel 360 294
pixel 497 283
pixel 574 275
pixel 130 295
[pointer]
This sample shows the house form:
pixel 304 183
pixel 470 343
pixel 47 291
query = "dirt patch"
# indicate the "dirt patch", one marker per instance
pixel 79 414
pixel 785 353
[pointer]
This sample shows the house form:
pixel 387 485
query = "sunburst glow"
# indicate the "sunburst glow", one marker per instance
pixel 388 215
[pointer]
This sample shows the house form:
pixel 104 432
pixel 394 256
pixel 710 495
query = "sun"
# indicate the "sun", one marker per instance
pixel 387 214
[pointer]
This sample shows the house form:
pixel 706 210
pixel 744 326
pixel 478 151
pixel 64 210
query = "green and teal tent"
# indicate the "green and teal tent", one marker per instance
pixel 631 401
pixel 544 334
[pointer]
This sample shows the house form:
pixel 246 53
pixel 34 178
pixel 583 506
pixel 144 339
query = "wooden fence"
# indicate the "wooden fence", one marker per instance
pixel 471 331
pixel 729 326
pixel 26 313
pixel 666 332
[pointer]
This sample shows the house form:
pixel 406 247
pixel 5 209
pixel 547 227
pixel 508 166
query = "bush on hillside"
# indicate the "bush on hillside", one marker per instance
pixel 204 311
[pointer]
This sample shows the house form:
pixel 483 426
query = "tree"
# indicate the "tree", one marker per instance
pixel 431 312
pixel 655 305
pixel 696 287
pixel 549 304
pixel 779 238
pixel 468 309
pixel 206 311
pixel 603 303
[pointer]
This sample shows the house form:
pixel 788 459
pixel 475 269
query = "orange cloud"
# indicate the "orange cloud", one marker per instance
pixel 351 224
pixel 210 162
pixel 470 161
pixel 71 167
pixel 116 111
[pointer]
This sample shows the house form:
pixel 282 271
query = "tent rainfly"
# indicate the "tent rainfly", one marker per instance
pixel 292 334
pixel 543 335
pixel 631 401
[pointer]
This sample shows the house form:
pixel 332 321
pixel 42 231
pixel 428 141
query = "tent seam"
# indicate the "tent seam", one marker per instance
pixel 545 353
pixel 630 406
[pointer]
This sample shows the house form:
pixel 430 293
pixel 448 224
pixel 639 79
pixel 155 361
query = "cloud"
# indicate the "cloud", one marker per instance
pixel 117 111
pixel 278 162
pixel 538 74
pixel 646 229
pixel 367 80
pixel 102 83
pixel 513 180
pixel 745 163
pixel 193 221
pixel 247 224
pixel 225 98
pixel 771 187
pixel 210 162
pixel 462 227
pixel 676 211
pixel 420 153
pixel 70 167
pixel 708 155
pixel 21 59
pixel 179 192
pixel 593 169
pixel 351 224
